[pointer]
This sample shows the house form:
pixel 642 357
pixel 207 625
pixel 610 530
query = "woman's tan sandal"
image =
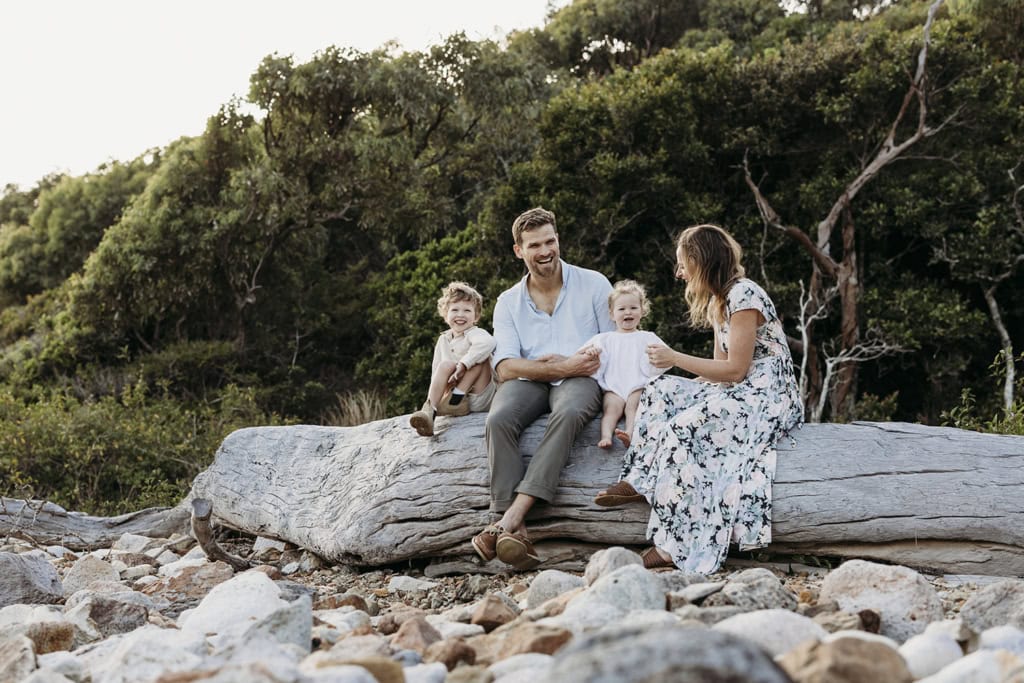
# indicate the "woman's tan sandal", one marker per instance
pixel 484 543
pixel 619 493
pixel 623 436
pixel 653 559
pixel 516 550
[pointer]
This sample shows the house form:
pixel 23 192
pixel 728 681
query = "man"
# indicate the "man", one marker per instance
pixel 539 325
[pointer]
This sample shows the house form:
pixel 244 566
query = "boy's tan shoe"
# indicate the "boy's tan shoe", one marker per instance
pixel 458 410
pixel 423 420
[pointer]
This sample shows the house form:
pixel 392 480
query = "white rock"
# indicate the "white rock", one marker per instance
pixel 608 560
pixel 343 619
pixel 627 588
pixel 288 625
pixel 409 584
pixel 64 663
pixel 88 570
pixel 529 660
pixel 46 676
pixel 929 653
pixel 234 605
pixel 1007 637
pixel 290 568
pixel 143 655
pixel 29 614
pixel 983 666
pixel 904 599
pixel 435 672
pixel 195 553
pixel 175 568
pixel 954 628
pixel 585 616
pixel 648 618
pixel 167 557
pixel 344 673
pixel 58 550
pixel 776 631
pixel 454 629
pixel 862 635
pixel 133 543
pixel 550 584
pixel 138 571
pixel 144 581
pixel 119 566
pixel 263 543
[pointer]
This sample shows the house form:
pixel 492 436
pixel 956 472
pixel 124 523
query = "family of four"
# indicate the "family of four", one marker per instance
pixel 700 452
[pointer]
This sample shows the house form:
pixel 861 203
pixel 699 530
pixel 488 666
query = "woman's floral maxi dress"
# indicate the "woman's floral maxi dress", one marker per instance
pixel 703 454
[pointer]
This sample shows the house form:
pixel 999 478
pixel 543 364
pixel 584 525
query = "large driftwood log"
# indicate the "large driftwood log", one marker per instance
pixel 45 523
pixel 935 498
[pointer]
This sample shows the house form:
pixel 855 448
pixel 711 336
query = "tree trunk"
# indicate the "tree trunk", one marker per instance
pixel 844 390
pixel 937 498
pixel 1009 381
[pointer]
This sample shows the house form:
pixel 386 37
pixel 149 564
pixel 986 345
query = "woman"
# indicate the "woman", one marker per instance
pixel 703 450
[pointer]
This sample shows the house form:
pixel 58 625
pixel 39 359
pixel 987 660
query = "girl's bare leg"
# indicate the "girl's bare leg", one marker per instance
pixel 632 403
pixel 612 411
pixel 439 383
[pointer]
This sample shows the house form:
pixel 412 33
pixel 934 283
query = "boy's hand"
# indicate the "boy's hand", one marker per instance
pixel 457 374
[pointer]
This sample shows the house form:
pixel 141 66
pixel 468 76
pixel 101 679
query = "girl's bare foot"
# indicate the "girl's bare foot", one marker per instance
pixel 623 437
pixel 605 442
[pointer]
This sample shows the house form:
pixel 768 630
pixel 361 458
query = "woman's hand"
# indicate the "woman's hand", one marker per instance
pixel 661 356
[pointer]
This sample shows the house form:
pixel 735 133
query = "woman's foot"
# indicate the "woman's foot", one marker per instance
pixel 623 437
pixel 619 493
pixel 656 559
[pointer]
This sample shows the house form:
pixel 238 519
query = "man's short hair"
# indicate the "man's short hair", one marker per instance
pixel 530 220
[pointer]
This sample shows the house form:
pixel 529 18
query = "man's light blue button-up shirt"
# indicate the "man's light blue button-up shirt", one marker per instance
pixel 523 331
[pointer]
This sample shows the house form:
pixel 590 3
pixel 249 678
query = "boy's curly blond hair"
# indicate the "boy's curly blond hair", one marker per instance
pixel 629 287
pixel 459 291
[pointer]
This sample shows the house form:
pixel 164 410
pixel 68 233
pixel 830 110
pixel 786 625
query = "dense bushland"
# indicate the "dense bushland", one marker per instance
pixel 283 266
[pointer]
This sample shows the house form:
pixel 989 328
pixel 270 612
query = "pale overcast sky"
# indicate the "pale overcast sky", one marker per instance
pixel 88 81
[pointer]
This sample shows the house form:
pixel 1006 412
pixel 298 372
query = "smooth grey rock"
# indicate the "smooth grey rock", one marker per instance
pixel 904 599
pixel 86 571
pixel 28 581
pixel 862 635
pixel 693 593
pixel 550 584
pixel 997 604
pixel 776 631
pixel 929 653
pixel 608 560
pixel 668 654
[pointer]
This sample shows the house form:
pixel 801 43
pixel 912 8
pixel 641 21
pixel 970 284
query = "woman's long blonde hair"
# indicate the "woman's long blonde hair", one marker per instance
pixel 713 264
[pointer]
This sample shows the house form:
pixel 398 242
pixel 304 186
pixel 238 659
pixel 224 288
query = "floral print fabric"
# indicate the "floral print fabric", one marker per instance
pixel 703 454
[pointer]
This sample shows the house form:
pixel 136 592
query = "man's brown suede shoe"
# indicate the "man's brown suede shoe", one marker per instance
pixel 484 543
pixel 516 550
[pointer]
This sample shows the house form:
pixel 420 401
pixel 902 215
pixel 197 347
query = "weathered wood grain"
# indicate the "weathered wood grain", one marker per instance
pixel 45 523
pixel 937 498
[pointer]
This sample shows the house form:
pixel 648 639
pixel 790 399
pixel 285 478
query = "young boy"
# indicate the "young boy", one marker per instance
pixel 461 379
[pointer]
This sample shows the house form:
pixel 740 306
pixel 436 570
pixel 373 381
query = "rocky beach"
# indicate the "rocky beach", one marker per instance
pixel 158 610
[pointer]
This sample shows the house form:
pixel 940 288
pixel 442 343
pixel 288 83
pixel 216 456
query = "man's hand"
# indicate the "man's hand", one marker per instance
pixel 581 364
